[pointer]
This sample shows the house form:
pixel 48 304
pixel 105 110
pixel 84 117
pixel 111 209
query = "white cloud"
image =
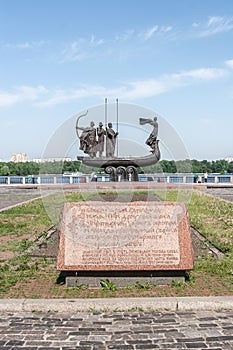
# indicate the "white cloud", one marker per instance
pixel 26 45
pixel 153 87
pixel 23 93
pixel 96 42
pixel 195 24
pixel 7 99
pixel 81 49
pixel 127 35
pixel 87 48
pixel 42 97
pixel 166 29
pixel 215 25
pixel 137 89
pixel 150 32
pixel 31 93
pixel 73 51
pixel 201 74
pixel 229 63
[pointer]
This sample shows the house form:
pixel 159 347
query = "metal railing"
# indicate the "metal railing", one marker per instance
pixel 74 179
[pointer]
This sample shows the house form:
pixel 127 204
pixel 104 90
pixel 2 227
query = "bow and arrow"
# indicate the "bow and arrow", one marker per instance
pixel 77 128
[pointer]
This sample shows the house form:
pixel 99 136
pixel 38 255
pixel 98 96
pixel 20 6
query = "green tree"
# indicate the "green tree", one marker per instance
pixel 195 165
pixel 184 166
pixel 150 169
pixel 230 168
pixel 168 166
pixel 205 166
pixel 220 166
pixel 4 170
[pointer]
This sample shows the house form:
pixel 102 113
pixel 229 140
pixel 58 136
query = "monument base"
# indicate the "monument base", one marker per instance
pixel 122 278
pixel 124 242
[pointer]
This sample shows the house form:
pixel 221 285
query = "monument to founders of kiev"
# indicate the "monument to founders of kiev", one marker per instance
pixel 146 241
pixel 99 145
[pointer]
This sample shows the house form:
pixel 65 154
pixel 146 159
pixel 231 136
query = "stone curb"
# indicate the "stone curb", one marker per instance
pixel 120 304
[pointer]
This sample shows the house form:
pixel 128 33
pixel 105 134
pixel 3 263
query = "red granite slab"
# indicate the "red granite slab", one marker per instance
pixel 135 236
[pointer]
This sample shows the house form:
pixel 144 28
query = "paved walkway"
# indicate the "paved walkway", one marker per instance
pixel 191 323
pixel 117 330
pixel 224 193
pixel 13 196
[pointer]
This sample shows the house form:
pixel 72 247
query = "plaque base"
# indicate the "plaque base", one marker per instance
pixel 122 278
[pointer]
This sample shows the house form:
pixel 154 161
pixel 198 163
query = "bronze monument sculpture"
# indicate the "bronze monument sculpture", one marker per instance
pixel 88 140
pixel 94 140
pixel 100 143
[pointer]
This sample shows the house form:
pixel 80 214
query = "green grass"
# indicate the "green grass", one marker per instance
pixel 30 218
pixel 212 217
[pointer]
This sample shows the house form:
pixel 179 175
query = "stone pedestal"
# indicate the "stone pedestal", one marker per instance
pixel 125 241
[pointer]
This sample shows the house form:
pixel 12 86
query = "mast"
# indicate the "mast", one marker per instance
pixel 117 117
pixel 106 122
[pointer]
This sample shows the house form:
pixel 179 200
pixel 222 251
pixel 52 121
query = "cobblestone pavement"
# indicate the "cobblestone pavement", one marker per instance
pixel 117 330
pixel 114 330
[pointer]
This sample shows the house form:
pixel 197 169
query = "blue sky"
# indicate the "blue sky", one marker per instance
pixel 60 57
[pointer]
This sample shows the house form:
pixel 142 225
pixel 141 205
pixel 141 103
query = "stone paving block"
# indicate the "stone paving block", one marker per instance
pixel 171 346
pixel 146 346
pixel 220 338
pixel 196 345
pixel 50 348
pixel 208 325
pixel 64 343
pixel 121 347
pixel 15 343
pixel 187 333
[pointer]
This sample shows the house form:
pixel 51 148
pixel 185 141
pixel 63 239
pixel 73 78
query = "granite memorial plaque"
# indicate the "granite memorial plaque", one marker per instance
pixel 135 236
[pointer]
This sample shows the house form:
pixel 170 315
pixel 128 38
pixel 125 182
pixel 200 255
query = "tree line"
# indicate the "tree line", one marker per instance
pixel 220 166
pixel 33 168
pixel 164 166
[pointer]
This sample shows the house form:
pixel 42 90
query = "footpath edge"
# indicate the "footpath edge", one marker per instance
pixel 218 303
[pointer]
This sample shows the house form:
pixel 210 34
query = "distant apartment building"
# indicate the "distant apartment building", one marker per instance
pixel 229 159
pixel 19 158
pixel 44 160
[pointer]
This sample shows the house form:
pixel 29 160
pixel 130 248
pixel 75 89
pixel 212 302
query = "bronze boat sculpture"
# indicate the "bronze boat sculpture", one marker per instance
pixel 119 168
